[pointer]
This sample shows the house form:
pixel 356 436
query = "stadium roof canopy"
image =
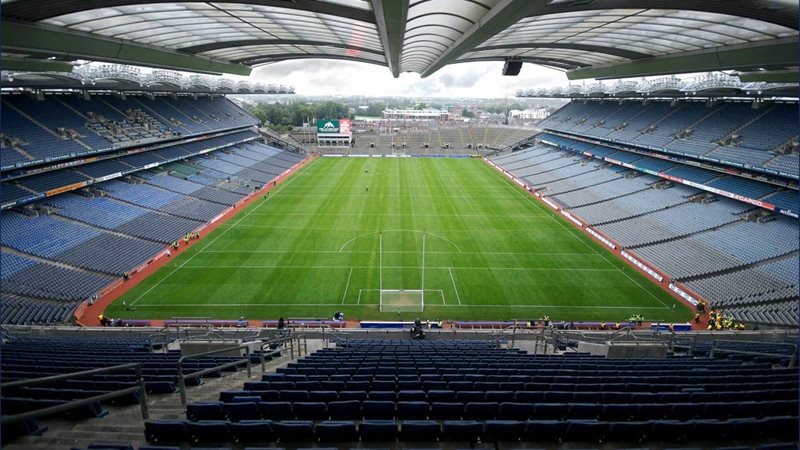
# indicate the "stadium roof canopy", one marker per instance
pixel 586 38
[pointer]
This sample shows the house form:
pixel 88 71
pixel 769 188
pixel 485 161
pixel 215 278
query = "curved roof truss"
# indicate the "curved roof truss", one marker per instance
pixel 599 38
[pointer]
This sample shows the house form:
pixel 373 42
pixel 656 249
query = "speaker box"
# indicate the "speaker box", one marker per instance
pixel 512 68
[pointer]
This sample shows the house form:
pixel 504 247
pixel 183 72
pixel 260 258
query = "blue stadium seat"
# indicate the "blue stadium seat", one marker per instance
pixel 461 430
pixel 345 410
pixel 250 431
pixel 353 395
pixel 165 431
pixel 481 410
pixel 378 430
pixel 336 431
pixel 373 409
pixel 310 410
pixel 502 430
pixel 544 430
pixel 205 411
pixel 446 410
pixel 412 410
pixel 208 431
pixel 419 430
pixel 294 430
pixel 242 410
pixel 276 410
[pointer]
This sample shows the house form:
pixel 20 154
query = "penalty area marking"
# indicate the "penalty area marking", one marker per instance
pixel 360 291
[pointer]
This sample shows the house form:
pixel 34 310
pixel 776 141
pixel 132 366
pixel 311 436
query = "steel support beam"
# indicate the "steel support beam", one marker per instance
pixel 497 19
pixel 36 10
pixel 770 76
pixel 35 65
pixel 774 53
pixel 390 17
pixel 49 41
pixel 622 53
pixel 292 56
pixel 253 42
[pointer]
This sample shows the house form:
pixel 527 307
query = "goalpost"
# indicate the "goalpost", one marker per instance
pixel 401 300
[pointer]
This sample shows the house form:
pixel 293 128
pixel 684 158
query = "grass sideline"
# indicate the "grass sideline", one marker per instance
pixel 312 247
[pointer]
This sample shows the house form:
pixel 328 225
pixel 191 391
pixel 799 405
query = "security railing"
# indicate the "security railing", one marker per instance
pixel 183 377
pixel 138 389
pixel 716 349
pixel 276 346
pixel 335 335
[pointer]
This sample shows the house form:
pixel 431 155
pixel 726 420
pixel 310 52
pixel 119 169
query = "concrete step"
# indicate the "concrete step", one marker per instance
pixel 124 424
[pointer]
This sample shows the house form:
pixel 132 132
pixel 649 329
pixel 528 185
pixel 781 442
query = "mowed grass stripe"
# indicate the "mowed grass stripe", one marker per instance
pixel 314 244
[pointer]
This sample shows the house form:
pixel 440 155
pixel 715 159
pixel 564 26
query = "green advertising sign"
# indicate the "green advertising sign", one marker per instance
pixel 327 126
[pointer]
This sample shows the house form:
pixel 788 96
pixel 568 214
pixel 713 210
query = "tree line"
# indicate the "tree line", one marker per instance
pixel 283 117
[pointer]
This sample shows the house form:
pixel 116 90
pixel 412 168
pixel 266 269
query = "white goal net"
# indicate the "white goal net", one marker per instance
pixel 402 300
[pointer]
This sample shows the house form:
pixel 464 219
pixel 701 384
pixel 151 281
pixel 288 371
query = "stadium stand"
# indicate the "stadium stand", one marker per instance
pixel 732 133
pixel 688 234
pixel 470 392
pixel 62 127
pixel 96 234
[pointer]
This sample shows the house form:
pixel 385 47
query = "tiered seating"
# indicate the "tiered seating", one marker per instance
pixel 47 181
pixel 785 199
pixel 99 211
pixel 60 127
pixel 471 391
pixel 74 244
pixel 639 217
pixel 44 280
pixel 669 223
pixel 724 248
pixel 36 357
pixel 194 209
pixel 729 132
pixel 604 191
pixel 692 173
pixel 769 285
pixel 633 205
pixel 706 133
pixel 23 311
pixel 42 236
pixel 38 142
pixel 749 188
pixel 142 195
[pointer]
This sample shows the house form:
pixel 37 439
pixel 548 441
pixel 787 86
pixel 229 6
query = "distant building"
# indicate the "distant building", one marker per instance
pixel 529 114
pixel 415 114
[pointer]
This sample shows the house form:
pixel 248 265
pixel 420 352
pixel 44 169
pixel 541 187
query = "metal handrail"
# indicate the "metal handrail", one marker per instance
pixel 182 378
pixel 281 340
pixel 139 388
pixel 336 334
pixel 501 334
pixel 792 357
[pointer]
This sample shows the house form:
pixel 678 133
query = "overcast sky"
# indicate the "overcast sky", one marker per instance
pixel 332 77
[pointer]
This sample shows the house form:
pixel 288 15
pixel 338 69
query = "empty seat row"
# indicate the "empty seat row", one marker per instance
pixel 611 396
pixel 264 431
pixel 252 408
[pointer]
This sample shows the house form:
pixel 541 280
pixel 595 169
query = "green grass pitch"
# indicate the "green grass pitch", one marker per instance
pixel 313 247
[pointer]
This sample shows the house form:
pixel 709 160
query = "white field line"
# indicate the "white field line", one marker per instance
pixel 458 297
pixel 537 269
pixel 259 305
pixel 572 232
pixel 280 215
pixel 244 216
pixel 402 252
pixel 347 285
